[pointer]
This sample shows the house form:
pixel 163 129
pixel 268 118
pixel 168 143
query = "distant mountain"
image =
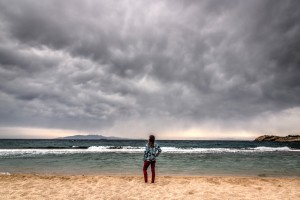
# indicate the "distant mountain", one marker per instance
pixel 90 137
pixel 289 138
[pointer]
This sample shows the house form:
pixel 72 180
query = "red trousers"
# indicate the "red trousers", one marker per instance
pixel 146 165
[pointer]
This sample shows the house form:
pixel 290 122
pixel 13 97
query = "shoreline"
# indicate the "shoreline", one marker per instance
pixel 36 186
pixel 149 174
pixel 111 174
pixel 139 176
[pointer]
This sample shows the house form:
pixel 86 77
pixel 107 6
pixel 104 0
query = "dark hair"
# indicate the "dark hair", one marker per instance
pixel 151 141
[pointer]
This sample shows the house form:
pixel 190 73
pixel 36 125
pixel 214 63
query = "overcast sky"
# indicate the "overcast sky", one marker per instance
pixel 179 69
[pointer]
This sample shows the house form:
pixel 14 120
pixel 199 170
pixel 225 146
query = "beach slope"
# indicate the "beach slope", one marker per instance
pixel 132 187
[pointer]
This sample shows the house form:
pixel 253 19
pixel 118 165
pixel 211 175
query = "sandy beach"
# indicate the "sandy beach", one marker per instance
pixel 28 186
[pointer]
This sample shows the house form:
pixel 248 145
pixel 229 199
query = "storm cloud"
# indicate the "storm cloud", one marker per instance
pixel 129 67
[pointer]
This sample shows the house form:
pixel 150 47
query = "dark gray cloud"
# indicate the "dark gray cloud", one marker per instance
pixel 98 64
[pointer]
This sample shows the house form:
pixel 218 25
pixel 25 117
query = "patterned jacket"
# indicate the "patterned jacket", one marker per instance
pixel 150 154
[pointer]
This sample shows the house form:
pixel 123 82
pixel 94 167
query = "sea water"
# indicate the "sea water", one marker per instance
pixel 125 157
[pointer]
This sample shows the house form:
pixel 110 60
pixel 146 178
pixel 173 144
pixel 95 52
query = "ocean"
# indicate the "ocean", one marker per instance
pixel 125 157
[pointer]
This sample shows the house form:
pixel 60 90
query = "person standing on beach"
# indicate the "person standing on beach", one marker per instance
pixel 152 150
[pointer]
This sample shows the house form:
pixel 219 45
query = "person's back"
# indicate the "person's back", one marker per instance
pixel 152 150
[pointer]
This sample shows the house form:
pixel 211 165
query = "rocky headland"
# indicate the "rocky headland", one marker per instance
pixel 273 138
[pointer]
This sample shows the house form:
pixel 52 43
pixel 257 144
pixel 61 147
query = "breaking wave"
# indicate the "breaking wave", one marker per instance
pixel 130 149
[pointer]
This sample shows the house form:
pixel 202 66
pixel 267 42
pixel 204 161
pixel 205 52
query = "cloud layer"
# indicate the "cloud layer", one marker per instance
pixel 129 67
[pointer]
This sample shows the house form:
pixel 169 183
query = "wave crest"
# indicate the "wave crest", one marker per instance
pixel 130 149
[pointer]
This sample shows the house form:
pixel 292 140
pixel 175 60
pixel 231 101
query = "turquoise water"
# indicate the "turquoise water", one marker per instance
pixel 124 157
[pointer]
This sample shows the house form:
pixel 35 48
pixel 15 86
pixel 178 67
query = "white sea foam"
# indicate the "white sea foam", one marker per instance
pixel 5 173
pixel 7 152
pixel 272 149
pixel 130 149
pixel 224 150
